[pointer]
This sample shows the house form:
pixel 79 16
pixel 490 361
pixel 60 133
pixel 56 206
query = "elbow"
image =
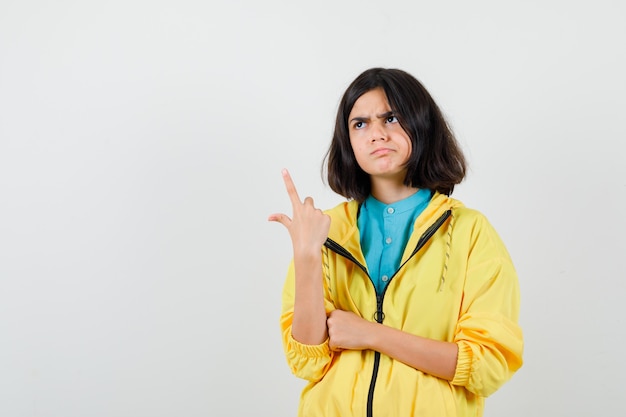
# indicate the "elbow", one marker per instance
pixel 309 362
pixel 483 371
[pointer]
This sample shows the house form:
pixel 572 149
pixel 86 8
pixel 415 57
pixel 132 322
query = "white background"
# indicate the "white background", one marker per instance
pixel 141 144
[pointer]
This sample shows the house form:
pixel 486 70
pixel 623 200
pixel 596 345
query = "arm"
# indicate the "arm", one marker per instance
pixel 309 314
pixel 309 361
pixel 487 347
pixel 308 230
pixel 489 338
pixel 349 331
pixel 488 335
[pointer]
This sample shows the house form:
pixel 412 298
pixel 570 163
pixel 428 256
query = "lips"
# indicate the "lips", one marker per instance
pixel 381 151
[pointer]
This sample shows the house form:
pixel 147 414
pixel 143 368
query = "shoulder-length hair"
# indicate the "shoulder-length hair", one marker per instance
pixel 436 161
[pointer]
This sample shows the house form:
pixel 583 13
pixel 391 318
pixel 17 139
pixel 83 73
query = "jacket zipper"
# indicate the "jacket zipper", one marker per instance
pixel 380 315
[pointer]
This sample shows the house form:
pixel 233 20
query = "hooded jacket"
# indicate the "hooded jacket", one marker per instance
pixel 456 283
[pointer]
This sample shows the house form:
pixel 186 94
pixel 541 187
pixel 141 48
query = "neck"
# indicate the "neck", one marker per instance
pixel 389 192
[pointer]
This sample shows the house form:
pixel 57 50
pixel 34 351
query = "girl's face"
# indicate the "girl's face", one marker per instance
pixel 380 145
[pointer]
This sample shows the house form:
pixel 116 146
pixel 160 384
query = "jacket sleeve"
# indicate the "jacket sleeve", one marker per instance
pixel 488 336
pixel 309 362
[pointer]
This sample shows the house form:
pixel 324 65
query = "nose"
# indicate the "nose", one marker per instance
pixel 378 132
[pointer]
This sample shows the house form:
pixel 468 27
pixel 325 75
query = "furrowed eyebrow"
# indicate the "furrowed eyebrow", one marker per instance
pixel 386 115
pixel 366 119
pixel 358 119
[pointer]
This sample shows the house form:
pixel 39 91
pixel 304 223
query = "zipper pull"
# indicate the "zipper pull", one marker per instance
pixel 379 316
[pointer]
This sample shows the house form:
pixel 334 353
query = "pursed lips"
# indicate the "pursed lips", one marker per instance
pixel 381 151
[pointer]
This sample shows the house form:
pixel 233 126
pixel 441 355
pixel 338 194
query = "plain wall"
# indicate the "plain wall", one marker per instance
pixel 141 144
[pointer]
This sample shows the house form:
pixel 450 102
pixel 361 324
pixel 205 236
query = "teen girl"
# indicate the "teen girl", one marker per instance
pixel 401 301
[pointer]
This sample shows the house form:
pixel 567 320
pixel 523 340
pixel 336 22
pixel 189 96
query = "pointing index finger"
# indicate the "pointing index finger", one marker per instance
pixel 291 188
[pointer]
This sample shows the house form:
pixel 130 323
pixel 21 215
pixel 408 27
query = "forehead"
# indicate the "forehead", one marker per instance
pixel 372 102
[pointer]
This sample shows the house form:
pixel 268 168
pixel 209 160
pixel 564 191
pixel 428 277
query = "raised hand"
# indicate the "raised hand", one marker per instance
pixel 308 230
pixel 309 226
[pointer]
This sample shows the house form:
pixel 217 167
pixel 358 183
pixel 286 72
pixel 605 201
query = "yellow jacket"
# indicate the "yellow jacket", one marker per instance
pixel 456 283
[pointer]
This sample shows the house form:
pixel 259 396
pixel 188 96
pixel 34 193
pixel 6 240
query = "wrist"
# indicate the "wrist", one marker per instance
pixel 307 255
pixel 374 335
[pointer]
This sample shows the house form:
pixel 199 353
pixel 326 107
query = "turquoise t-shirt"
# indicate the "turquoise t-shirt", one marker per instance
pixel 385 230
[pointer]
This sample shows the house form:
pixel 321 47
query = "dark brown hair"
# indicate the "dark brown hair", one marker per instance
pixel 436 161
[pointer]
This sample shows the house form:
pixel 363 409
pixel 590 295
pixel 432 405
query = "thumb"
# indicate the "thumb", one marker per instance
pixel 280 218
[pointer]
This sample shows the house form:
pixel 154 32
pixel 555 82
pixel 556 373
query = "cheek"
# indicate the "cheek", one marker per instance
pixel 407 148
pixel 409 145
pixel 357 147
pixel 357 151
pixel 354 144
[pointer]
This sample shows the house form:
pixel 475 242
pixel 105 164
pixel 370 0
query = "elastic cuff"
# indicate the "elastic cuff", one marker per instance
pixel 463 365
pixel 309 351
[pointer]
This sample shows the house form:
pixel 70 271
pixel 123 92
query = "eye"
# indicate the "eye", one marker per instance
pixel 359 125
pixel 392 119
